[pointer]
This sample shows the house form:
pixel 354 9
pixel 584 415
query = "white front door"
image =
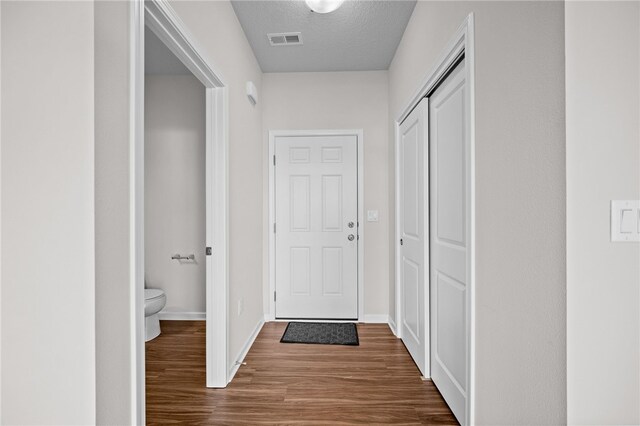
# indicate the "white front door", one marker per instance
pixel 450 225
pixel 316 227
pixel 414 233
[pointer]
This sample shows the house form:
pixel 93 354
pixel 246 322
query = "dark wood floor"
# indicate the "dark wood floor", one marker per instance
pixel 374 383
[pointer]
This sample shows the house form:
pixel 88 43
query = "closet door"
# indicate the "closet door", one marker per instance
pixel 414 234
pixel 449 220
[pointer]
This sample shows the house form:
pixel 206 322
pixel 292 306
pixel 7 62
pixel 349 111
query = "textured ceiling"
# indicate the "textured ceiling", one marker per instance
pixel 158 59
pixel 361 35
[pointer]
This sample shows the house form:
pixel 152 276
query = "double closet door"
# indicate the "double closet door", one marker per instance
pixel 434 223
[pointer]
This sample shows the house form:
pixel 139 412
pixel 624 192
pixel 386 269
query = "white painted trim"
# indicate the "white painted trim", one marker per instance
pixel 136 212
pixel 462 43
pixel 217 237
pixel 392 326
pixel 233 369
pixel 376 319
pixel 368 319
pixel 445 62
pixel 359 133
pixel 361 222
pixel 182 316
pixel 166 24
pixel 1 227
pixel 332 321
pixel 398 290
pixel 471 268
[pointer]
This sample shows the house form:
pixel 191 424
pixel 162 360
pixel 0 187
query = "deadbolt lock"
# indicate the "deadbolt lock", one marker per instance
pixel 351 224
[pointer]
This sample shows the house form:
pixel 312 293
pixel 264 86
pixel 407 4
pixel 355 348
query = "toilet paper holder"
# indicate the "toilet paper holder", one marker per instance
pixel 179 257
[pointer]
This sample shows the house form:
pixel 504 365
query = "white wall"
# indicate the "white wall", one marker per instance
pixel 174 138
pixel 48 335
pixel 520 190
pixel 217 30
pixel 338 100
pixel 603 164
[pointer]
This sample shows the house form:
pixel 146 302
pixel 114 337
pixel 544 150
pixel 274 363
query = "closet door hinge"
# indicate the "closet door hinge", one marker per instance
pixel 274 160
pixel 274 296
pixel 274 228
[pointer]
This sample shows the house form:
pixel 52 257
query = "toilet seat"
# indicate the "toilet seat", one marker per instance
pixel 152 293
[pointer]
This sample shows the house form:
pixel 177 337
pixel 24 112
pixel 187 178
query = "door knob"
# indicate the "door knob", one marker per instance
pixel 350 237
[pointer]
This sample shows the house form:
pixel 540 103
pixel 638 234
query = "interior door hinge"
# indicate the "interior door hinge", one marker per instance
pixel 274 228
pixel 208 251
pixel 274 296
pixel 274 160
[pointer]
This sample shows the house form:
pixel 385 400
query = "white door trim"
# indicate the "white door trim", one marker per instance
pixel 273 134
pixel 165 23
pixel 136 211
pixel 461 44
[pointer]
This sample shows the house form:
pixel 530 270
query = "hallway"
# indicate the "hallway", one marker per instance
pixel 376 382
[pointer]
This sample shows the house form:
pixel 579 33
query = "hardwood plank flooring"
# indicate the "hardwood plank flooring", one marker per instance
pixel 374 383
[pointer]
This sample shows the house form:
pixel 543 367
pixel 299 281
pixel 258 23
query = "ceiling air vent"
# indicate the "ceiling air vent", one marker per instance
pixel 284 39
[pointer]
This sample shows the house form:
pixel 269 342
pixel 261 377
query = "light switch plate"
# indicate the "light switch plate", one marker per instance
pixel 372 215
pixel 625 220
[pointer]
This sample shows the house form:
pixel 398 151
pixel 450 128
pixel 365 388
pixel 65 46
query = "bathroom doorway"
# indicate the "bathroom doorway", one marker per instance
pixel 174 185
pixel 157 19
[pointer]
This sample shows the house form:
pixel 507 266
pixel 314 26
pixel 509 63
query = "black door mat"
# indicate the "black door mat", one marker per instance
pixel 323 333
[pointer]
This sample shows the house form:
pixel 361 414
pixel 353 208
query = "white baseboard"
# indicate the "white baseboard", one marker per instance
pixel 182 316
pixel 376 319
pixel 233 368
pixel 308 320
pixel 370 319
pixel 392 326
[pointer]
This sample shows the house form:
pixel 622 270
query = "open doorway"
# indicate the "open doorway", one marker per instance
pixel 203 89
pixel 174 186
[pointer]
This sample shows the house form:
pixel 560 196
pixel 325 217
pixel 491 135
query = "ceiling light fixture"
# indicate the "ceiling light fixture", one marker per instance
pixel 323 6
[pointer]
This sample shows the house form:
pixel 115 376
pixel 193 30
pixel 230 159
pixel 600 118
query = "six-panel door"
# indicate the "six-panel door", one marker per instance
pixel 316 235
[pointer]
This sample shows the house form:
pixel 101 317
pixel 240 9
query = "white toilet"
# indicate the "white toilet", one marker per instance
pixel 154 301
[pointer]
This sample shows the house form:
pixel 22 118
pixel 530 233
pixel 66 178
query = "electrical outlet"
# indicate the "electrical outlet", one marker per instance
pixel 240 306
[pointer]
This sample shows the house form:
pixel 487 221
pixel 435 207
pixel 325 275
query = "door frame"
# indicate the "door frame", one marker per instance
pixel 461 45
pixel 160 17
pixel 273 134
